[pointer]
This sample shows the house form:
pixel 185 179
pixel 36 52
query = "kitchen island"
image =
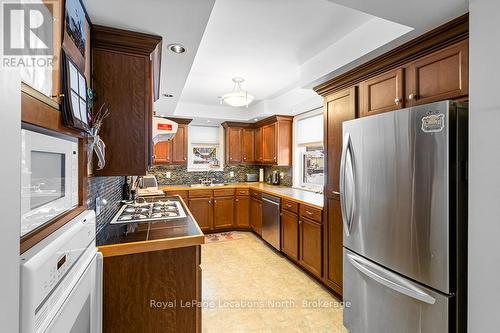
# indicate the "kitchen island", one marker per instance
pixel 152 275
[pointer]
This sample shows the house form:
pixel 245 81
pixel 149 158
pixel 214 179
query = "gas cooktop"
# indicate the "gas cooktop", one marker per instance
pixel 149 211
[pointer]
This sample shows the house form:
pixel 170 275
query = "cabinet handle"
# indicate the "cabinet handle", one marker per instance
pixel 230 158
pixel 412 96
pixel 397 100
pixel 308 212
pixel 184 158
pixel 215 201
pixel 275 158
pixel 300 222
pixel 288 205
pixel 236 200
pixel 336 193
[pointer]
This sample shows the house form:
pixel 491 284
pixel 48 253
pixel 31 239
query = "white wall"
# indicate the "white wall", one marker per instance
pixel 10 196
pixel 484 161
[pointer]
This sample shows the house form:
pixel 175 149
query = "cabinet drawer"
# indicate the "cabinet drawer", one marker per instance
pixel 290 205
pixel 223 192
pixel 200 193
pixel 310 213
pixel 255 194
pixel 242 191
pixel 182 194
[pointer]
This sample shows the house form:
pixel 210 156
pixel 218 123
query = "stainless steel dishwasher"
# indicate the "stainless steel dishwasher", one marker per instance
pixel 271 222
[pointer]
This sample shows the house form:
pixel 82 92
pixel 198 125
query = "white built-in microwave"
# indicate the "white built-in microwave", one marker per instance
pixel 49 177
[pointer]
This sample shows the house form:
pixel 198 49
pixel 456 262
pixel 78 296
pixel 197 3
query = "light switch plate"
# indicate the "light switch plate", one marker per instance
pixel 168 174
pixel 97 206
pixel 231 174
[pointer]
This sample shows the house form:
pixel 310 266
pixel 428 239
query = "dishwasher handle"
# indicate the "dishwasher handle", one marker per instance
pixel 270 201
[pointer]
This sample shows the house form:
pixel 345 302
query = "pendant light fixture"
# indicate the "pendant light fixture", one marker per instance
pixel 238 97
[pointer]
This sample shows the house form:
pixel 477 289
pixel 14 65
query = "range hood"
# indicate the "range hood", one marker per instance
pixel 163 129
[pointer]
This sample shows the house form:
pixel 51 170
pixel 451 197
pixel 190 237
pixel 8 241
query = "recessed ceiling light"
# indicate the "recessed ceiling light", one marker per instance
pixel 167 95
pixel 208 120
pixel 177 48
pixel 255 119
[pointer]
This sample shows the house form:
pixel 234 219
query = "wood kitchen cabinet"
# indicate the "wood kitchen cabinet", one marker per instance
pixel 258 144
pixel 310 255
pixel 162 152
pixel 290 234
pixel 242 211
pixel 256 215
pixel 234 147
pixel 223 212
pixel 382 93
pixel 333 238
pixel 202 210
pixel 440 75
pixel 174 151
pixel 124 68
pixel 248 145
pixel 269 154
pixel 339 107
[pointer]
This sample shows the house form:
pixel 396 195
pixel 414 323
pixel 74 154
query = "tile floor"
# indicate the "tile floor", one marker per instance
pixel 248 287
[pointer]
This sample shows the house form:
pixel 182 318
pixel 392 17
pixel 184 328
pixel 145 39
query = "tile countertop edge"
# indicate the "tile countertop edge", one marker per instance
pixel 315 200
pixel 119 249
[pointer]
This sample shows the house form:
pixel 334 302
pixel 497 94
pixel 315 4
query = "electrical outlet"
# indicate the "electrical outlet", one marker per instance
pixel 99 204
pixel 282 175
pixel 169 174
pixel 231 174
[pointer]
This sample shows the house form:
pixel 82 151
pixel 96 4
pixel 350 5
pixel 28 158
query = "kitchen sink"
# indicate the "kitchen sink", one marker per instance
pixel 208 185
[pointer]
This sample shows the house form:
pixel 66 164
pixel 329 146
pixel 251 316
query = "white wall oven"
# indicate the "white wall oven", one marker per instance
pixel 61 281
pixel 49 177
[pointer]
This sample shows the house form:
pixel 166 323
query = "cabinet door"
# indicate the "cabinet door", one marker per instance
pixel 258 144
pixel 382 93
pixel 201 208
pixel 223 212
pixel 310 246
pixel 162 153
pixel 440 75
pixel 290 234
pixel 256 215
pixel 339 107
pixel 179 145
pixel 242 211
pixel 269 143
pixel 234 145
pixel 333 237
pixel 127 130
pixel 248 145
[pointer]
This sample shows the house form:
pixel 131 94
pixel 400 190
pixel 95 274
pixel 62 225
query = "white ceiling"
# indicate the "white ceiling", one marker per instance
pixel 281 47
pixel 181 21
pixel 264 42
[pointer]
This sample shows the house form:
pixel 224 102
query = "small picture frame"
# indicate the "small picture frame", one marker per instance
pixel 74 106
pixel 76 36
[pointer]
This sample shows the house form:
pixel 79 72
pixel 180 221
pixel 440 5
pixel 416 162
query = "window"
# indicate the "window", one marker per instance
pixel 309 161
pixel 205 148
pixel 313 164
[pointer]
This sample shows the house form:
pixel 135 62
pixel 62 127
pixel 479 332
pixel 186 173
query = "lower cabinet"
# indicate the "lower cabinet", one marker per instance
pixel 223 212
pixel 201 208
pixel 290 234
pixel 242 211
pixel 310 246
pixel 256 215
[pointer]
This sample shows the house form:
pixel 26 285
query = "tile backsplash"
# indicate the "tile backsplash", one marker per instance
pixel 179 174
pixel 287 179
pixel 109 188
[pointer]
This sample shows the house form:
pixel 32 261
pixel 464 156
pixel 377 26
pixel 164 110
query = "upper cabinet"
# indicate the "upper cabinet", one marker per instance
pixel 174 151
pixel 268 141
pixel 125 67
pixel 440 75
pixel 248 145
pixel 382 93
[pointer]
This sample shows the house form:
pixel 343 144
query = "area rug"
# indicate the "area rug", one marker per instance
pixel 222 237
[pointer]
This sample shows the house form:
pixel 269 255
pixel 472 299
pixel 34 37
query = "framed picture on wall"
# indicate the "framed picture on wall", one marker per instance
pixel 74 106
pixel 76 37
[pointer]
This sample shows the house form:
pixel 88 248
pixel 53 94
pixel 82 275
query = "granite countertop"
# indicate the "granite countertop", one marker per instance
pixel 301 196
pixel 129 238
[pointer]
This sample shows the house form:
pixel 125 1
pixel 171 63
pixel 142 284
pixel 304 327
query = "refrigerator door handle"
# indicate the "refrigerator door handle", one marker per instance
pixel 346 149
pixel 389 279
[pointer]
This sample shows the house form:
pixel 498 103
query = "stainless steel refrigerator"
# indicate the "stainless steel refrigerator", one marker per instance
pixel 403 181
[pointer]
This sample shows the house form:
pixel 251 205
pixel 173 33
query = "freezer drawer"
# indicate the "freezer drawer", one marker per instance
pixel 380 301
